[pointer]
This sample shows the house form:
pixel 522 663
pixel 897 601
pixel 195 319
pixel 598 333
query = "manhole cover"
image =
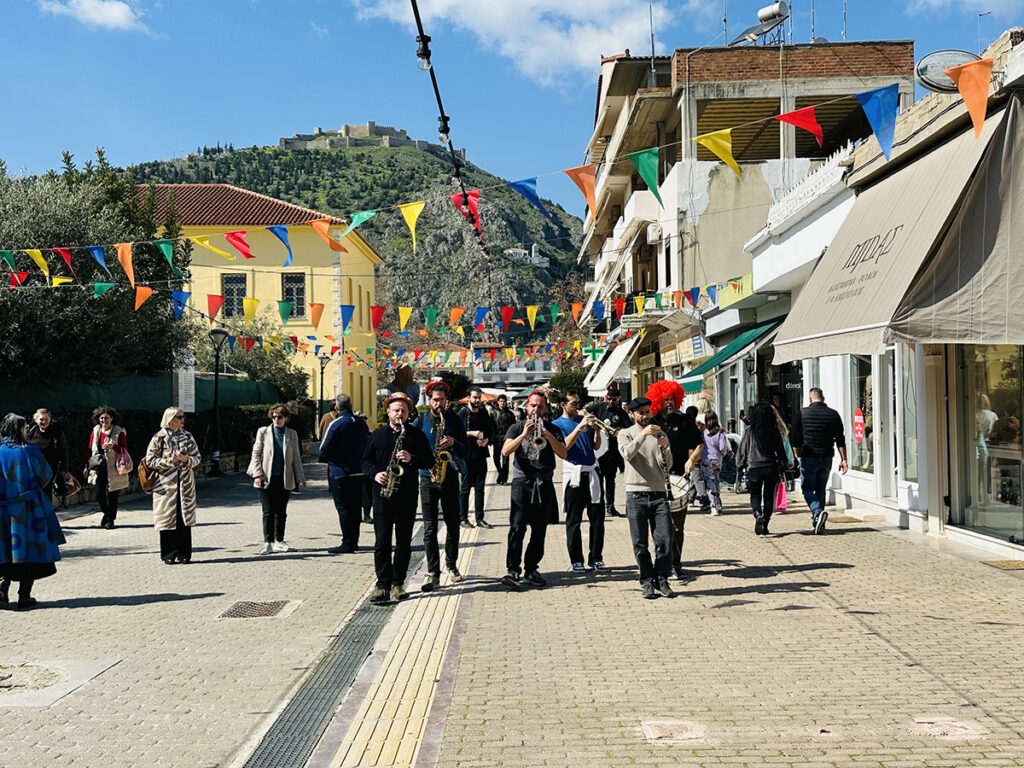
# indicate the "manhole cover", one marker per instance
pixel 1006 565
pixel 252 610
pixel 844 519
pixel 947 728
pixel 672 731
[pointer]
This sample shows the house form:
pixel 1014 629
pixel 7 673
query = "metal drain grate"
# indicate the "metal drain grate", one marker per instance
pixel 1006 565
pixel 251 610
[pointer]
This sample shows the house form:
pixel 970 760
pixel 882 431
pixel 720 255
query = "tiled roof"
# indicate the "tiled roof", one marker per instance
pixel 214 205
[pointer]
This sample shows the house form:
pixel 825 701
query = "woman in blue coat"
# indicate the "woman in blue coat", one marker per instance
pixel 29 531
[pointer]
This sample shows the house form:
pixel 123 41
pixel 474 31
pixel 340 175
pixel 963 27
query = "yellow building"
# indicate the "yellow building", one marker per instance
pixel 316 275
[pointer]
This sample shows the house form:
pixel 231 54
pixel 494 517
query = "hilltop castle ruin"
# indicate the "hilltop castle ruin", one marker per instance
pixel 368 134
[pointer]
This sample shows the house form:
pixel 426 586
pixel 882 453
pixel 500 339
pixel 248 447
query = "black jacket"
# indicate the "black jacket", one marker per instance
pixel 503 419
pixel 377 456
pixel 481 420
pixel 752 455
pixel 683 437
pixel 817 430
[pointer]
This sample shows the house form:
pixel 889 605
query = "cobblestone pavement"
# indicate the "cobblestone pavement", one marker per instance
pixel 188 687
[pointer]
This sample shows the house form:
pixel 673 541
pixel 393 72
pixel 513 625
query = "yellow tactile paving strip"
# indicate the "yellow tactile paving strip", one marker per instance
pixel 388 726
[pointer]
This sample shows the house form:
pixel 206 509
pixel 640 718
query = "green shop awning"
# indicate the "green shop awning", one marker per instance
pixel 693 382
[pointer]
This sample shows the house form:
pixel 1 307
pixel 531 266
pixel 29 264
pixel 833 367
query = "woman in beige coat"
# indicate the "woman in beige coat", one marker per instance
pixel 172 456
pixel 105 441
pixel 276 467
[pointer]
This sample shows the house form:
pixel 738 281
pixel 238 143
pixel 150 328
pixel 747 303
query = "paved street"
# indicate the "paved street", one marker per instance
pixel 791 650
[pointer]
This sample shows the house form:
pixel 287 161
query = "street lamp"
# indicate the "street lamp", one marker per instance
pixel 324 360
pixel 219 337
pixel 750 363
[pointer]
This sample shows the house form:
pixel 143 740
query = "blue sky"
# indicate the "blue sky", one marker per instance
pixel 152 79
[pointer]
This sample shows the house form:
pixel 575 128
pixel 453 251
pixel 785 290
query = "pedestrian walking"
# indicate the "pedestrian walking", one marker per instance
pixel 48 436
pixel 504 417
pixel 30 535
pixel 172 457
pixel 276 469
pixel 817 433
pixel 108 447
pixel 610 460
pixel 787 476
pixel 342 448
pixel 716 447
pixel 535 443
pixel 763 456
pixel 480 432
pixel 298 424
pixel 367 494
pixel 325 421
pixel 648 455
pixel 581 483
pixel 403 383
pixel 393 454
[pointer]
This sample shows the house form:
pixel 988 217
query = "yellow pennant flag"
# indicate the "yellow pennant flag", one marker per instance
pixel 459 330
pixel 433 355
pixel 37 256
pixel 61 280
pixel 640 301
pixel 249 307
pixel 204 240
pixel 403 316
pixel 531 315
pixel 720 143
pixel 275 340
pixel 509 353
pixel 411 212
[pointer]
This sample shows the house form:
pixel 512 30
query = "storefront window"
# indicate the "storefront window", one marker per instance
pixel 990 446
pixel 908 398
pixel 859 422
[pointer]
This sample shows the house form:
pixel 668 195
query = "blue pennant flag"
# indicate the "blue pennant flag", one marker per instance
pixel 180 299
pixel 528 189
pixel 231 343
pixel 598 311
pixel 346 316
pixel 712 293
pixel 481 313
pixel 880 107
pixel 282 235
pixel 97 253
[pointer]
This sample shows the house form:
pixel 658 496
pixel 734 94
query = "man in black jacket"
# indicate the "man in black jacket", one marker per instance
pixel 479 432
pixel 504 417
pixel 396 514
pixel 342 446
pixel 817 432
pixel 610 462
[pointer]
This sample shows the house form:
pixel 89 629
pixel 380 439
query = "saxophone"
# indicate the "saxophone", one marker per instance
pixel 441 457
pixel 395 469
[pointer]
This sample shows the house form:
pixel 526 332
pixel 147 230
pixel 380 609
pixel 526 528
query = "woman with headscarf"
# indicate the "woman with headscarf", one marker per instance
pixel 107 440
pixel 763 455
pixel 172 457
pixel 29 532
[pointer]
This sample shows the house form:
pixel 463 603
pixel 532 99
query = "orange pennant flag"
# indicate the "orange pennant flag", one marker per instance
pixel 972 80
pixel 455 315
pixel 585 178
pixel 577 307
pixel 315 311
pixel 321 226
pixel 124 255
pixel 677 297
pixel 141 294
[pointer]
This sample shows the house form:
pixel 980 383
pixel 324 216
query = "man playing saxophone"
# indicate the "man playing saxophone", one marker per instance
pixel 439 486
pixel 394 453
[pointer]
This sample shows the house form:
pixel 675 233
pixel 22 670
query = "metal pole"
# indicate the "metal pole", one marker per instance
pixel 215 454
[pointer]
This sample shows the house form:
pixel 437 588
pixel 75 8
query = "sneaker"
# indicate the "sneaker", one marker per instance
pixel 457 578
pixel 483 524
pixel 647 590
pixel 267 549
pixel 681 575
pixel 466 524
pixel 758 526
pixel 575 568
pixel 715 511
pixel 819 524
pixel 533 577
pixel 432 582
pixel 664 587
pixel 379 597
pixel 511 580
pixel 599 566
pixel 398 592
pixel 281 546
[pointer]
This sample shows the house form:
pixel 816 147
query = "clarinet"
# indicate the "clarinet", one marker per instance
pixel 663 461
pixel 395 469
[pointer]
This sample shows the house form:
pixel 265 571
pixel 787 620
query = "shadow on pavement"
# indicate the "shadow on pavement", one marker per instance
pixel 761 571
pixel 828 532
pixel 757 589
pixel 96 602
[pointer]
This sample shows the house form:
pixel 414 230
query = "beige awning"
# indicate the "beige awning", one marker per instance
pixel 849 301
pixel 609 366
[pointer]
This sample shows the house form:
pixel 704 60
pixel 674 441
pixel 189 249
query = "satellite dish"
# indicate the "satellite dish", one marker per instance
pixel 820 40
pixel 930 71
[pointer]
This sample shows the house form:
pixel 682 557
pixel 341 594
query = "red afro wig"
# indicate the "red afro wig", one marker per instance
pixel 660 391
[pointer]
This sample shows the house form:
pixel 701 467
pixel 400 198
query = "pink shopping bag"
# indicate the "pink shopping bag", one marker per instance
pixel 780 496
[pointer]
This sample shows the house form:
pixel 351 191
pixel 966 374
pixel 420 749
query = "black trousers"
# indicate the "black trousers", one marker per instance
pixel 475 477
pixel 274 498
pixel 762 483
pixel 500 463
pixel 107 499
pixel 367 495
pixel 347 493
pixel 577 500
pixel 447 498
pixel 609 465
pixel 393 517
pixel 178 542
pixel 650 512
pixel 531 505
pixel 678 534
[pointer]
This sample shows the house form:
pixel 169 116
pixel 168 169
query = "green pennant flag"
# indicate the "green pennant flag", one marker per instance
pixel 447 354
pixel 646 163
pixel 554 309
pixel 431 314
pixel 369 350
pixel 348 331
pixel 8 256
pixel 288 347
pixel 357 219
pixel 167 249
pixel 285 308
pixel 657 300
pixel 98 289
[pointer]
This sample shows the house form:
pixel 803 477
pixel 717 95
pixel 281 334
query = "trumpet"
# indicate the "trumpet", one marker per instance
pixel 537 442
pixel 395 469
pixel 441 457
pixel 604 426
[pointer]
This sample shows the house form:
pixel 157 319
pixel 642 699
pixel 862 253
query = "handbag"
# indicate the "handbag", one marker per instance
pixel 780 496
pixel 123 461
pixel 70 483
pixel 96 461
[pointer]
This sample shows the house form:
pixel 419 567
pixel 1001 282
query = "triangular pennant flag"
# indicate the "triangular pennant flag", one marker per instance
pixel 65 253
pixel 430 313
pixel 37 256
pixel 620 308
pixel 322 227
pixel 237 240
pixel 180 300
pixel 97 253
pixel 17 278
pixel 640 301
pixel 478 321
pixel 506 317
pixel 467 205
pixel 204 240
pixel 528 189
pixel 411 212
pixel 281 233
pixel 316 311
pixel 284 308
pixel 167 249
pixel 98 289
pixel 880 107
pixel 249 308
pixel 531 314
pixel 577 308
pixel 658 299
pixel 460 330
pixel 712 292
pixel 213 305
pixel 646 163
pixel 694 295
pixel 357 219
pixel 585 176
pixel 677 299
pixel 973 80
pixel 142 293
pixel 60 281
pixel 376 315
pixel 124 256
pixel 554 309
pixel 346 315
pixel 403 316
pixel 231 343
pixel 455 315
pixel 598 311
pixel 8 256
pixel 249 344
pixel 804 118
pixel 720 144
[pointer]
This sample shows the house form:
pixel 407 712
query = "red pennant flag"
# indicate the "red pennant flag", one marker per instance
pixel 315 312
pixel 237 239
pixel 620 307
pixel 295 342
pixel 213 305
pixel 803 118
pixel 334 351
pixel 17 278
pixel 249 343
pixel 376 315
pixel 506 317
pixel 65 253
pixel 416 355
pixel 494 354
pixel 468 208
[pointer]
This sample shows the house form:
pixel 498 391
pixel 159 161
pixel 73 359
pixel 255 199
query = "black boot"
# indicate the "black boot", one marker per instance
pixel 5 588
pixel 25 599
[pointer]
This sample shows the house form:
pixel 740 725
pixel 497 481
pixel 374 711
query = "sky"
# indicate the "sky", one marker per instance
pixel 155 79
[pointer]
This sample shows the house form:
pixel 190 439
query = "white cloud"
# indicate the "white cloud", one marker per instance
pixel 319 31
pixel 1003 9
pixel 547 39
pixel 105 14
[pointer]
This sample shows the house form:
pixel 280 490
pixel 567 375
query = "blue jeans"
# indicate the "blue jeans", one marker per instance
pixel 814 474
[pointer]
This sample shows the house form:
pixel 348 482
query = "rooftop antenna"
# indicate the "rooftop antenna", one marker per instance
pixel 725 23
pixel 652 78
pixel 844 21
pixel 983 13
pixel 789 39
pixel 812 21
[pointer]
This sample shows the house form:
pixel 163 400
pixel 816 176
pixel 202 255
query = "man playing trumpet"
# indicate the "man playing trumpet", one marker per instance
pixel 581 483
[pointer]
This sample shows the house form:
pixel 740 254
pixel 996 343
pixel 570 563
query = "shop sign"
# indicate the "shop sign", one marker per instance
pixel 858 425
pixel 669 355
pixel 693 348
pixel 631 322
pixel 647 361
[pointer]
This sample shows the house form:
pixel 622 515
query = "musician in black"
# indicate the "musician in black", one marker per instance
pixel 445 495
pixel 610 462
pixel 533 492
pixel 480 431
pixel 396 514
